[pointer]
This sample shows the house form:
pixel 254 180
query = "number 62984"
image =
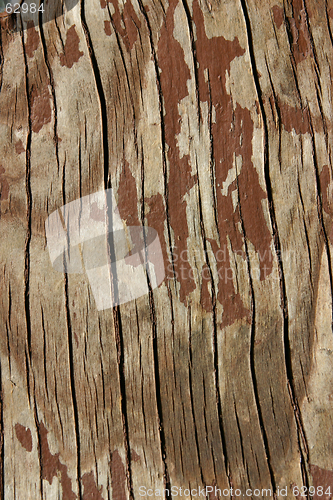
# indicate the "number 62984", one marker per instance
pixel 24 7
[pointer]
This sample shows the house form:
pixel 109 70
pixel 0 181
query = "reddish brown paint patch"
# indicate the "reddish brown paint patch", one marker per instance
pixel 232 134
pixel 330 13
pixel 297 119
pixel 127 24
pixel 127 197
pixel 278 15
pixel 298 26
pixel 4 186
pixel 19 148
pixel 327 202
pixel 107 28
pixel 323 478
pixel 32 39
pixel 40 108
pixel 128 210
pixel 156 218
pixel 90 490
pixel 174 76
pixel 52 467
pixel 23 434
pixel 232 303
pixel 135 457
pixel 118 477
pixel 71 53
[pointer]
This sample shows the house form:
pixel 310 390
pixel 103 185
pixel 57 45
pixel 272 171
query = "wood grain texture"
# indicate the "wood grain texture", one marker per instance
pixel 212 123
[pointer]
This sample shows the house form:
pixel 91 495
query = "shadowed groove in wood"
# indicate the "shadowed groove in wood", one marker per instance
pixel 252 362
pixel 166 476
pixel 277 244
pixel 215 349
pixel 101 97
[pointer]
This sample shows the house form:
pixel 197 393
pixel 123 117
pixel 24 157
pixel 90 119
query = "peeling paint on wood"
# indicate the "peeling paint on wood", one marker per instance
pixel 212 122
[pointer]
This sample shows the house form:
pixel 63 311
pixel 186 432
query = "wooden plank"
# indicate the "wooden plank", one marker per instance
pixel 211 122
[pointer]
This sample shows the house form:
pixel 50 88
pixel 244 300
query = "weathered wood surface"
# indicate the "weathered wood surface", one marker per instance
pixel 212 122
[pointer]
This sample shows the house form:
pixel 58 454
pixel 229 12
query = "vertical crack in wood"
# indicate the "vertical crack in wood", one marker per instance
pixel 215 344
pixel 73 388
pixel 127 80
pixel 27 312
pixel 252 343
pixel 277 246
pixel 194 59
pixel 158 397
pixel 190 367
pixel 44 352
pixel 278 114
pixel 292 57
pixel 51 80
pixel 328 23
pixel 101 96
pixel 107 184
pixel 71 361
pixel 28 216
pixel 121 369
pixel 320 209
pixel 162 124
pixel 166 477
pixel 211 154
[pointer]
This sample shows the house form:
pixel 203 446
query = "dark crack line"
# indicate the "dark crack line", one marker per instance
pixel 28 215
pixel 292 57
pixel 28 352
pixel 71 358
pixel 1 60
pixel 277 244
pixel 320 210
pixel 163 141
pixel 122 381
pixel 215 342
pixel 194 59
pixel 277 108
pixel 101 96
pixel 44 353
pixel 116 309
pixel 39 447
pixel 328 23
pixel 159 405
pixel 252 353
pixel 196 439
pixel 211 156
pixel 51 80
pixel 122 56
pixel 313 47
pixel 72 384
